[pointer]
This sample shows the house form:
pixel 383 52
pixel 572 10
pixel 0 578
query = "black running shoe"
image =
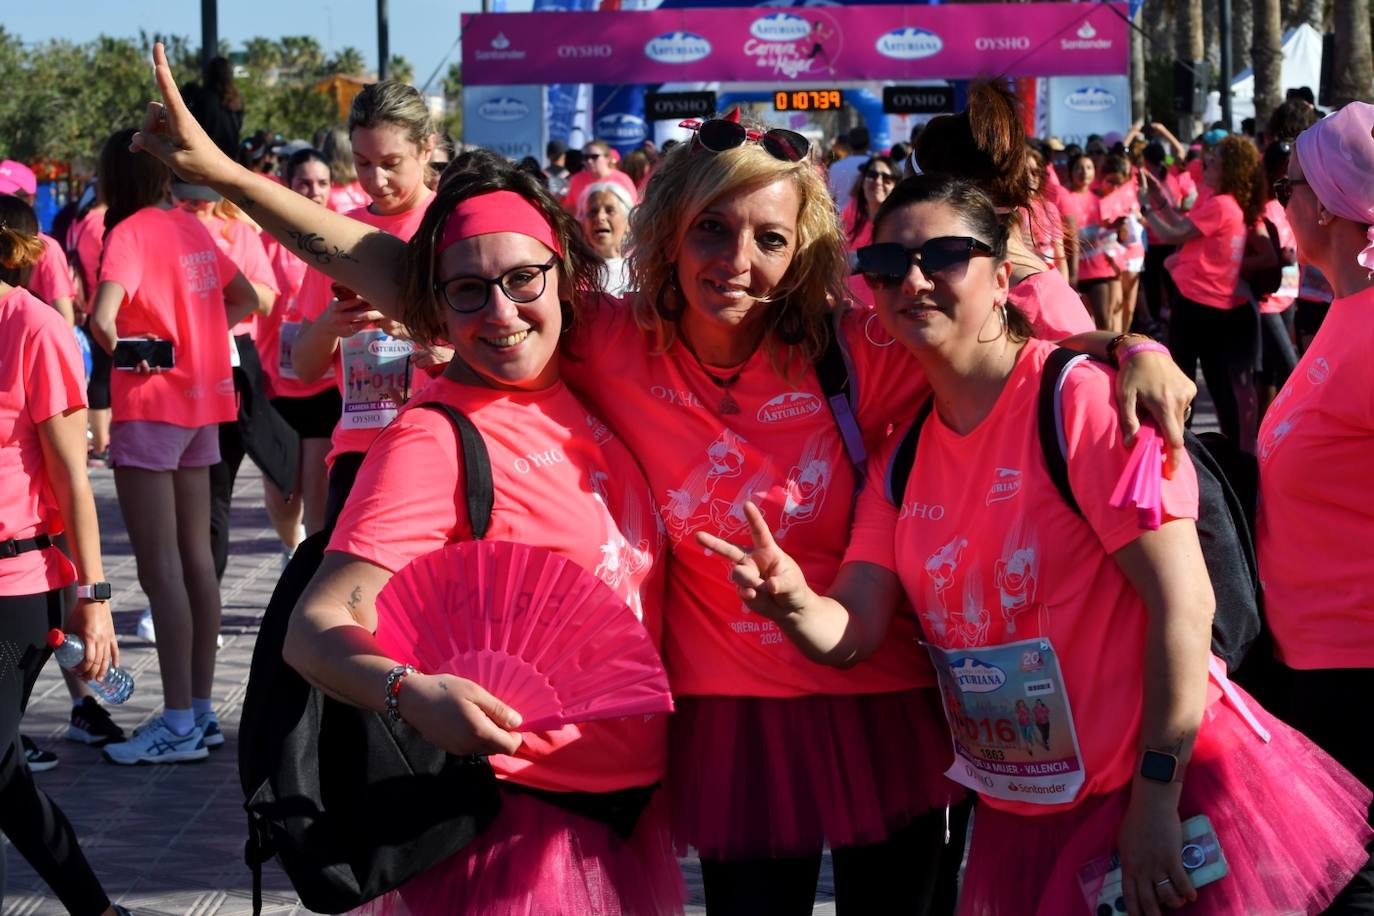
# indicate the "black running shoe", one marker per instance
pixel 91 724
pixel 39 759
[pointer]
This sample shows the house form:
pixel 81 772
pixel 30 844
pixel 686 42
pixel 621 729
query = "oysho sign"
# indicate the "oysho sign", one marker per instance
pixel 917 99
pixel 1003 43
pixel 1090 99
pixel 668 106
pixel 909 43
pixel 677 48
pixel 585 52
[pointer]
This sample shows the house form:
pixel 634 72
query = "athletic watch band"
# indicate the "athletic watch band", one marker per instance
pixel 1158 766
pixel 96 591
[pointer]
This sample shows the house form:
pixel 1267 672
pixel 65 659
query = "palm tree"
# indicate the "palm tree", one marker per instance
pixel 349 61
pixel 1242 33
pixel 1354 67
pixel 400 69
pixel 1268 54
pixel 1190 50
pixel 301 55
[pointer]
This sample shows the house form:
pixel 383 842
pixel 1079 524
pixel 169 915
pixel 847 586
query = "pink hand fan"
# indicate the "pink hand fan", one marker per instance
pixel 536 630
pixel 1139 483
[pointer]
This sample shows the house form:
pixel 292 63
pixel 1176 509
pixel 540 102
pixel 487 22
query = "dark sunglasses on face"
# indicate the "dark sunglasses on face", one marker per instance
pixel 719 135
pixel 1283 189
pixel 881 176
pixel 887 263
pixel 590 157
pixel 468 294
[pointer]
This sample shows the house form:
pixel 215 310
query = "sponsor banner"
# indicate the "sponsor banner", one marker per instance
pixel 918 99
pixel 562 97
pixel 812 44
pixel 669 106
pixel 618 116
pixel 1082 106
pixel 505 119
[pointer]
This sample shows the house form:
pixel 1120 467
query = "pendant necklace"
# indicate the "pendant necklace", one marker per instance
pixel 728 404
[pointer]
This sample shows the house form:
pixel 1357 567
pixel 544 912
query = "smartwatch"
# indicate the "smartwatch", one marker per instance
pixel 1158 766
pixel 96 591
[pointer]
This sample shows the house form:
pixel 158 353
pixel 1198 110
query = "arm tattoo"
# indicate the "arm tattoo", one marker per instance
pixel 247 203
pixel 313 244
pixel 355 598
pixel 443 686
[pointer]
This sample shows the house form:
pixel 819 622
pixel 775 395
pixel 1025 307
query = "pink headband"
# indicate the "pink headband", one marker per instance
pixel 1337 157
pixel 498 211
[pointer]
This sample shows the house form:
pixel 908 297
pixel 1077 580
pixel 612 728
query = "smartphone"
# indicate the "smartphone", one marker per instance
pixel 1202 859
pixel 130 351
pixel 342 292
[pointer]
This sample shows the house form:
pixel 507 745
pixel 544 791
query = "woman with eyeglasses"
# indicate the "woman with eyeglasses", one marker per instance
pixel 1019 596
pixel 1315 523
pixel 709 376
pixel 1211 323
pixel 876 180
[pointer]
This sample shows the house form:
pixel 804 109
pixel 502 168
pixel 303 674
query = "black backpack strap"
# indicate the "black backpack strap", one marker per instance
pixel 1051 420
pixel 899 470
pixel 481 494
pixel 832 370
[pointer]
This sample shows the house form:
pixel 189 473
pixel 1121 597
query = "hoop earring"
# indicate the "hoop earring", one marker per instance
pixel 1002 316
pixel 881 346
pixel 661 302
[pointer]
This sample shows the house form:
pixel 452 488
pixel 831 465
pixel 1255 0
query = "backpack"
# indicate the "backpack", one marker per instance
pixel 352 804
pixel 1267 280
pixel 1225 519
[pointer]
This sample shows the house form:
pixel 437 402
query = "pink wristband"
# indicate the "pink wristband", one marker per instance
pixel 1147 346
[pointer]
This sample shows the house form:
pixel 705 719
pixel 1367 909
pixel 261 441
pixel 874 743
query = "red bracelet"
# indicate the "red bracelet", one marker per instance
pixel 1148 346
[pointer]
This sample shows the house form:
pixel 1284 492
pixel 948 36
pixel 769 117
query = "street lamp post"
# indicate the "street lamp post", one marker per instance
pixel 209 33
pixel 383 41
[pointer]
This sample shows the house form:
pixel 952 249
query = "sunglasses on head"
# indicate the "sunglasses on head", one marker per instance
pixel 887 263
pixel 719 135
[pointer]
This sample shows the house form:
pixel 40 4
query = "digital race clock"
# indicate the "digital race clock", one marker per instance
pixel 807 99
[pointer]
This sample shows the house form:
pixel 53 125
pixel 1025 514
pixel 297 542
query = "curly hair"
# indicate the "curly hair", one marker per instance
pixel 688 180
pixel 423 310
pixel 1241 175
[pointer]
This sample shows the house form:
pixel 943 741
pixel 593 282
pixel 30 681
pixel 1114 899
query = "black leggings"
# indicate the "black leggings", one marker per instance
pixel 37 827
pixel 1227 343
pixel 901 875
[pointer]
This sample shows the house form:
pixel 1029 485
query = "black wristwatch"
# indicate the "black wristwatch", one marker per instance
pixel 1158 766
pixel 96 591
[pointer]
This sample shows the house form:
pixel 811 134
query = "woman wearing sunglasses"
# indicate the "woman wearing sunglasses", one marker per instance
pixel 1020 596
pixel 1315 525
pixel 598 167
pixel 876 180
pixel 708 377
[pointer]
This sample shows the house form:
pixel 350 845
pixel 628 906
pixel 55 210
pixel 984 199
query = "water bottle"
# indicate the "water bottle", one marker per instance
pixel 115 687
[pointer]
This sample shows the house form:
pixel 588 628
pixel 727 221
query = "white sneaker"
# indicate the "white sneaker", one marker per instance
pixel 145 626
pixel 155 742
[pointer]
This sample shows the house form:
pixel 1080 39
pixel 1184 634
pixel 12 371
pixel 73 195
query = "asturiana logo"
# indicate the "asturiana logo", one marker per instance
pixel 910 43
pixel 677 48
pixel 974 676
pixel 1091 99
pixel 621 127
pixel 503 109
pixel 780 27
pixel 389 348
pixel 790 406
pixel 1086 40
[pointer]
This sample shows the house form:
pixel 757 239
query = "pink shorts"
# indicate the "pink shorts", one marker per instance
pixel 155 446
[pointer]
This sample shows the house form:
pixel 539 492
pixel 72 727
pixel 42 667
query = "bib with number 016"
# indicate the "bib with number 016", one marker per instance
pixel 374 365
pixel 1010 721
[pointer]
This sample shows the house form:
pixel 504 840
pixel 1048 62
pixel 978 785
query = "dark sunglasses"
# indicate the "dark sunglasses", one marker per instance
pixel 590 157
pixel 719 135
pixel 887 263
pixel 881 176
pixel 1283 189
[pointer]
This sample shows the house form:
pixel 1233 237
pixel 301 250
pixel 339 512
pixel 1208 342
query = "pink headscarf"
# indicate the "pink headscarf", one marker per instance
pixel 1337 156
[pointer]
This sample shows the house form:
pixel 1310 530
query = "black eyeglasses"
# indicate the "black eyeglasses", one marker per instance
pixel 719 135
pixel 1283 189
pixel 887 263
pixel 468 294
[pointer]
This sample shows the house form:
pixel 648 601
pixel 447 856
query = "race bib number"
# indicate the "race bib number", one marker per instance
pixel 1010 721
pixel 375 364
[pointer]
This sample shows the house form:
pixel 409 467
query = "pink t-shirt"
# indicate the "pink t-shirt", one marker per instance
pixel 86 238
pixel 52 275
pixel 173 276
pixel 1178 187
pixel 989 553
pixel 583 178
pixel 784 451
pixel 290 273
pixel 1051 304
pixel 1206 268
pixel 40 377
pixel 1288 289
pixel 315 294
pixel 346 198
pixel 1316 521
pixel 241 243
pixel 562 481
pixel 848 219
pixel 1084 207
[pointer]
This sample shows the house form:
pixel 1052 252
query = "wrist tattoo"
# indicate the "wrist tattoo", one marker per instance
pixel 314 244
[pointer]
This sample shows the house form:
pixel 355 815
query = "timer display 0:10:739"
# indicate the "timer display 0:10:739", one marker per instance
pixel 807 99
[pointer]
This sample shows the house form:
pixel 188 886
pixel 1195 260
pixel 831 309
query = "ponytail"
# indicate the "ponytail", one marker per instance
pixel 20 246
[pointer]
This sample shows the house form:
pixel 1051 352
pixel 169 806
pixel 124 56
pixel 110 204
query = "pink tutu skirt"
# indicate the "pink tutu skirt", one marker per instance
pixel 758 778
pixel 537 859
pixel 1290 820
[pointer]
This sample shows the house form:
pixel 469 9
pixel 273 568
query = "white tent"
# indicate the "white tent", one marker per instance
pixel 1302 66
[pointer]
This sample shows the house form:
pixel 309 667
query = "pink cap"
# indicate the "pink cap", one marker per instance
pixel 15 176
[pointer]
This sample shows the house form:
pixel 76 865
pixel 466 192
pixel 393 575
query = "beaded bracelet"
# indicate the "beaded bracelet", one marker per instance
pixel 1147 346
pixel 394 678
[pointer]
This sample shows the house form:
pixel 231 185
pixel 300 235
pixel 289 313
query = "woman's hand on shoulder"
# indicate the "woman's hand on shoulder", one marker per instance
pixel 1152 380
pixel 458 716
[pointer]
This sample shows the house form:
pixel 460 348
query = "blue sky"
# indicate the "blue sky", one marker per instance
pixel 421 30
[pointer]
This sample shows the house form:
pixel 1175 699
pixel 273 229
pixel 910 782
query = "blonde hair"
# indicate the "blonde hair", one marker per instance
pixel 688 180
pixel 392 102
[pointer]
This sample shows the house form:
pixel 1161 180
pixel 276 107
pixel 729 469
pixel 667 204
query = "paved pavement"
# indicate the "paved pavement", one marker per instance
pixel 169 839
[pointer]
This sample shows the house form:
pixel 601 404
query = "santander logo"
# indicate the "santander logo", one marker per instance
pixel 1085 40
pixel 790 406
